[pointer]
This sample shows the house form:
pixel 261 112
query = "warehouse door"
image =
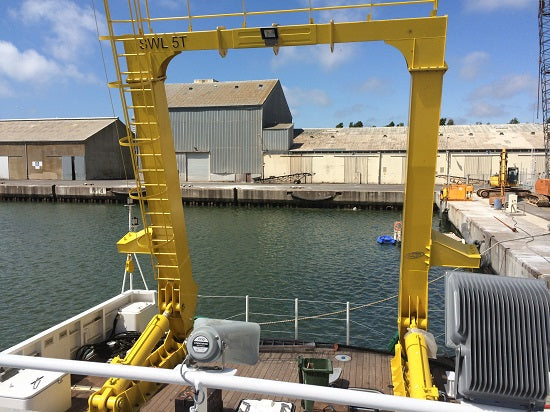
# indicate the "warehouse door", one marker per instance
pixel 361 169
pixel 4 167
pixel 74 168
pixel 180 160
pixel 477 167
pixel 198 167
pixel 302 164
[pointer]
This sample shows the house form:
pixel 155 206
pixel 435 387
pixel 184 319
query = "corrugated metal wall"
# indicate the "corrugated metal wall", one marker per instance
pixel 277 140
pixel 232 136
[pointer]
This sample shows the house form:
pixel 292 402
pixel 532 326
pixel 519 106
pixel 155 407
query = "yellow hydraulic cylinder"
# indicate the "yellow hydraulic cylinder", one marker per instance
pixel 418 369
pixel 107 399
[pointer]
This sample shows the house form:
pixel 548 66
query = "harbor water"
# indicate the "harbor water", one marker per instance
pixel 58 259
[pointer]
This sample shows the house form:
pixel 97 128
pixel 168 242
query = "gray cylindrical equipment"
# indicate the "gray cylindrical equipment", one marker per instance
pixel 238 342
pixel 204 344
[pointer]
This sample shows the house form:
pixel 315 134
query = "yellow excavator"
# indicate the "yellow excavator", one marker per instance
pixel 505 181
pixel 141 58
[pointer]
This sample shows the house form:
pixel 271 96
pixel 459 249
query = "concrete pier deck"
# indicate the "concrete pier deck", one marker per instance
pixel 511 244
pixel 210 193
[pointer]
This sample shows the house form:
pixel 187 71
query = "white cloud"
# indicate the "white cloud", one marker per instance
pixel 340 15
pixel 170 4
pixel 32 67
pixel 357 108
pixel 375 84
pixel 507 87
pixel 472 64
pixel 492 5
pixel 72 27
pixel 24 66
pixel 286 57
pixel 299 97
pixel 318 56
pixel 483 110
pixel 494 99
pixel 5 90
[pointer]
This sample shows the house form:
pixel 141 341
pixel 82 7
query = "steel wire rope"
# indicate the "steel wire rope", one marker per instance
pixel 109 91
pixel 516 225
pixel 322 315
pixel 511 240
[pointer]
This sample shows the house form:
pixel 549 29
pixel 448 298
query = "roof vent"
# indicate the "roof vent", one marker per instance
pixel 236 86
pixel 532 132
pixel 470 134
pixel 501 133
pixel 260 85
pixel 499 327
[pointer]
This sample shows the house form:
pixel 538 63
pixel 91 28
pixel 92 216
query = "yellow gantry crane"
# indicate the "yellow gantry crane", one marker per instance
pixel 141 59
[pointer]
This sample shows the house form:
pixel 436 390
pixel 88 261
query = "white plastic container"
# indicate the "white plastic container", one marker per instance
pixel 135 316
pixel 35 390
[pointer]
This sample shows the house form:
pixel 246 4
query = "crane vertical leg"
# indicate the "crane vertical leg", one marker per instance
pixel 426 89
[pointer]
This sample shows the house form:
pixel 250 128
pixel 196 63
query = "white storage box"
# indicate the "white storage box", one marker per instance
pixel 135 316
pixel 35 390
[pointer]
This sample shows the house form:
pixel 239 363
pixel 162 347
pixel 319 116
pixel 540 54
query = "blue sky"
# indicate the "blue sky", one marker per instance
pixel 51 64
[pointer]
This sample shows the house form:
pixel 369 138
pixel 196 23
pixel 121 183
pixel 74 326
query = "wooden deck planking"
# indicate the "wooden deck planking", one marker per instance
pixel 364 370
pixel 163 400
pixel 353 370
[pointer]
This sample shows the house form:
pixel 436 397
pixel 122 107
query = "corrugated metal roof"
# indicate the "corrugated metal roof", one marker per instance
pixel 219 94
pixel 460 137
pixel 280 126
pixel 51 130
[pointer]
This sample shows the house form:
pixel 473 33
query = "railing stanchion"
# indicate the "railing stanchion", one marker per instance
pixel 246 307
pixel 347 323
pixel 296 318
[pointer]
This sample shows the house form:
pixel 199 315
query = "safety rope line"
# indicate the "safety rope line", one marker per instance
pixel 337 312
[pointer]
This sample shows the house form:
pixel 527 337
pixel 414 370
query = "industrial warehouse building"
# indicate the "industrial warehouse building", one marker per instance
pixel 378 154
pixel 234 131
pixel 68 149
pixel 222 129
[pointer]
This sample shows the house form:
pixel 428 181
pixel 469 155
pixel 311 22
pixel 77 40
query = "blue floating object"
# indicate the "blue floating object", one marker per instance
pixel 386 239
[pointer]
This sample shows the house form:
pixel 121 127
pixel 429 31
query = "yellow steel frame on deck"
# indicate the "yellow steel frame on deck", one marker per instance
pixel 141 59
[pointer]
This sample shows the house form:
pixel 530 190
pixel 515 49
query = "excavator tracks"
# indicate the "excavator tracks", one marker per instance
pixel 487 192
pixel 538 200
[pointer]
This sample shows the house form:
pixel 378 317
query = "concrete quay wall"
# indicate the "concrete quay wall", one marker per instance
pixel 313 195
pixel 515 245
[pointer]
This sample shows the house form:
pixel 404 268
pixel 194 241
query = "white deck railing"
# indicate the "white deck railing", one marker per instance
pixel 226 381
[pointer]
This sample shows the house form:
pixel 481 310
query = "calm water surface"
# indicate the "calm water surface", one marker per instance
pixel 59 259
